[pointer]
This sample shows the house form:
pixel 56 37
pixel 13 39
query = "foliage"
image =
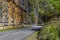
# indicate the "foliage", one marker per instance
pixel 32 16
pixel 56 4
pixel 47 7
pixel 49 32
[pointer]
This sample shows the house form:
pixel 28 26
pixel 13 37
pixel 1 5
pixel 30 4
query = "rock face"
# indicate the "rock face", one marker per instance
pixel 13 12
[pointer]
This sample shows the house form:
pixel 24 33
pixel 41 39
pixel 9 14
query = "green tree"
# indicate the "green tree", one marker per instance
pixel 47 7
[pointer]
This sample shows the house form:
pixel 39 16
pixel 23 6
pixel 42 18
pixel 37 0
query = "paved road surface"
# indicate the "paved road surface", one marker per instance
pixel 19 34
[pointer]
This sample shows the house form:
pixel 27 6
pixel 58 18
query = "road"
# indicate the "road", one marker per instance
pixel 19 34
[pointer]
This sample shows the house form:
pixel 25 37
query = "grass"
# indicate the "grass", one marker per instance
pixel 9 28
pixel 50 31
pixel 32 36
pixel 2 29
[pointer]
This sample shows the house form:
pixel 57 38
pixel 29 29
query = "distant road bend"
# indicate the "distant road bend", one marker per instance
pixel 19 34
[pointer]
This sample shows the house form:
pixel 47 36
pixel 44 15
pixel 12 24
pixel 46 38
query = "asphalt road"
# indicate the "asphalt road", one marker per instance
pixel 19 34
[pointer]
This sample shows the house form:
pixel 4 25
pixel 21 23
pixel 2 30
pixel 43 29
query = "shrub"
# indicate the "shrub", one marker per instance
pixel 49 32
